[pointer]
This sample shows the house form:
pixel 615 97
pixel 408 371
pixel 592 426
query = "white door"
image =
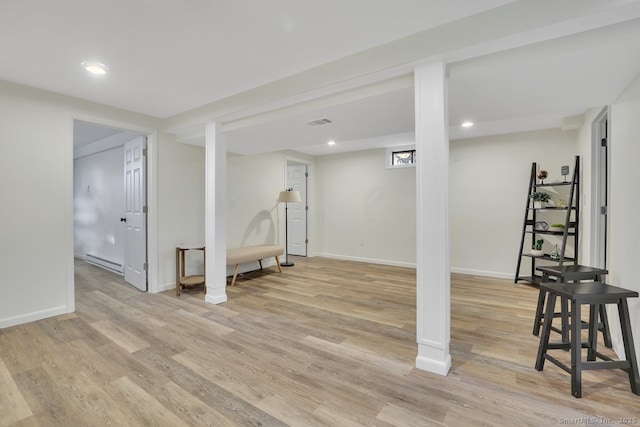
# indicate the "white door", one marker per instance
pixel 599 190
pixel 135 253
pixel 297 213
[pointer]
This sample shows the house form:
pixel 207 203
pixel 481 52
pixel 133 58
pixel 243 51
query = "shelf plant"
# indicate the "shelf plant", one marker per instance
pixel 538 245
pixel 540 197
pixel 537 248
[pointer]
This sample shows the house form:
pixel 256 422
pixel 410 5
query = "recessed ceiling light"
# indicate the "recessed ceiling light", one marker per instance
pixel 95 68
pixel 467 124
pixel 331 143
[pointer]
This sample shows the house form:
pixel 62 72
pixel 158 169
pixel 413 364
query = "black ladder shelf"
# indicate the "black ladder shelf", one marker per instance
pixel 533 228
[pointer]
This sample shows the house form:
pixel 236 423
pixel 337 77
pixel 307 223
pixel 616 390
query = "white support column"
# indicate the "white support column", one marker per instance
pixel 432 219
pixel 215 231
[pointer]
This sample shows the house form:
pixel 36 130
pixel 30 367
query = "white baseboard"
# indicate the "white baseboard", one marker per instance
pixel 32 317
pixel 470 272
pixel 162 288
pixel 271 262
pixel 436 366
pixel 215 300
pixel 368 260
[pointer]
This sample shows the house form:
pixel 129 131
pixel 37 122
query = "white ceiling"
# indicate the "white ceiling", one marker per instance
pixel 524 89
pixel 170 56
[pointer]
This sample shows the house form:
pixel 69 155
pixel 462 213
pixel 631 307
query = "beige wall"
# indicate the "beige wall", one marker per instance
pixel 34 184
pixel 253 215
pixel 488 191
pixel 364 211
pixel 624 203
pixel 36 193
pixel 181 187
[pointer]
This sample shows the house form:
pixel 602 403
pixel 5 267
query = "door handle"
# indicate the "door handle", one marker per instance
pixel 123 219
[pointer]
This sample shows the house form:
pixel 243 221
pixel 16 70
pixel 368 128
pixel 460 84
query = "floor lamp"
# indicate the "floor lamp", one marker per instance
pixel 286 197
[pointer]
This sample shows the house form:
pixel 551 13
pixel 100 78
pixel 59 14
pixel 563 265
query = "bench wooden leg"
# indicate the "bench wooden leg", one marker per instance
pixel 177 272
pixel 278 262
pixel 235 274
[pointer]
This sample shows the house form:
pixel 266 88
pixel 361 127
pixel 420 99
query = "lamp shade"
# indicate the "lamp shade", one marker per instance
pixel 289 196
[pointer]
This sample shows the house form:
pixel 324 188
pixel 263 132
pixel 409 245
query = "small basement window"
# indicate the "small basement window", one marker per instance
pixel 401 157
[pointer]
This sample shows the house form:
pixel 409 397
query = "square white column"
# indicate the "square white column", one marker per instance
pixel 215 227
pixel 432 219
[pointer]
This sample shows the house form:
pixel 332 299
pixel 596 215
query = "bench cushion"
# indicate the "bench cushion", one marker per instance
pixel 252 253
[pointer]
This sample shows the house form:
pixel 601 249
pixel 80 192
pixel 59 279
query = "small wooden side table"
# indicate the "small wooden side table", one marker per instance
pixel 182 280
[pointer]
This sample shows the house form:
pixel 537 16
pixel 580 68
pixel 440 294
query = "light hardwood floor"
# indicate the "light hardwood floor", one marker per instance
pixel 324 343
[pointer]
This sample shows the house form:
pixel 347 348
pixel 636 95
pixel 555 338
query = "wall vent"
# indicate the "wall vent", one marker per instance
pixel 319 122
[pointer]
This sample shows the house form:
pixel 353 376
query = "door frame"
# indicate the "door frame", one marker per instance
pixel 152 200
pixel 600 171
pixel 292 160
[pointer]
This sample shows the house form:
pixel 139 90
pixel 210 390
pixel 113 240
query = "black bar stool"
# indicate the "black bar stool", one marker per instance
pixel 594 294
pixel 570 273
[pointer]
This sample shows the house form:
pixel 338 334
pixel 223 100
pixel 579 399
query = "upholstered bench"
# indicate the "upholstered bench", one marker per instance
pixel 239 256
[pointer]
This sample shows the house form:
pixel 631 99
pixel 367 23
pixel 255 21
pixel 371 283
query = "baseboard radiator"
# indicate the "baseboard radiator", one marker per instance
pixel 113 266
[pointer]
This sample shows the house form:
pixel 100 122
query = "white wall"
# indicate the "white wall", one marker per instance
pixel 33 178
pixel 253 214
pixel 624 204
pixel 98 205
pixel 488 192
pixel 36 194
pixel 364 211
pixel 181 206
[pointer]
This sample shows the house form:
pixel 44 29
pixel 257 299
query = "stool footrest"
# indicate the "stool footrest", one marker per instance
pixel 558 363
pixel 610 364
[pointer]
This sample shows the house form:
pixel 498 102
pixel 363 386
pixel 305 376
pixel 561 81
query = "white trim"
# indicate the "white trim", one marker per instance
pixel 166 287
pixel 597 223
pixel 69 223
pixel 482 273
pixel 33 316
pixel 368 260
pixel 431 365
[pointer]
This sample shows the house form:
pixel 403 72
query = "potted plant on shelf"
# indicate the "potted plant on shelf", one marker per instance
pixel 537 248
pixel 539 199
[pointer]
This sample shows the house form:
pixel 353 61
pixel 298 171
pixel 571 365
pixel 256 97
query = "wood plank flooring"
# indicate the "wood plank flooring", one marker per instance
pixel 325 343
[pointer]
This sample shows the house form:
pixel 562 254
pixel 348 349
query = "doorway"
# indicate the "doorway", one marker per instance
pixel 297 176
pixel 109 199
pixel 600 188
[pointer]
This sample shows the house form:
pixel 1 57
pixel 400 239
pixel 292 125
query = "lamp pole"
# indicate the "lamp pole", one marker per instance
pixel 286 262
